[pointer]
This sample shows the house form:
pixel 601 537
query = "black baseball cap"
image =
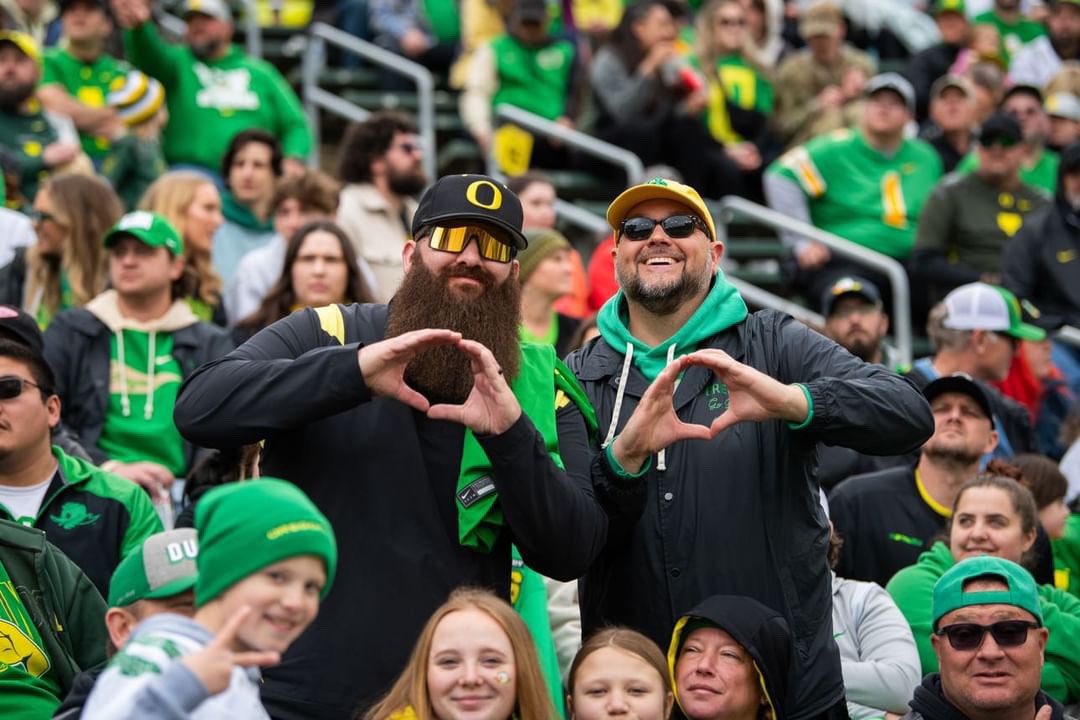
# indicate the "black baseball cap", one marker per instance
pixel 529 11
pixel 849 285
pixel 454 200
pixel 960 383
pixel 1023 89
pixel 18 326
pixel 65 5
pixel 1002 128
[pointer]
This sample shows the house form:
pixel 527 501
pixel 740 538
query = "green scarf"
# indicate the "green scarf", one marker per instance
pixel 479 517
pixel 722 308
pixel 236 213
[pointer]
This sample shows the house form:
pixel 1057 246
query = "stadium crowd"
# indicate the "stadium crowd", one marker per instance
pixel 280 440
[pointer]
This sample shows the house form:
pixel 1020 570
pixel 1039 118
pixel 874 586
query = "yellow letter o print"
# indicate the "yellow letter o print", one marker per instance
pixel 496 195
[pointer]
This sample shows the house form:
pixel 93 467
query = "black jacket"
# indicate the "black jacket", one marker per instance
pixel 13 279
pixel 81 687
pixel 930 703
pixel 762 632
pixel 924 68
pixel 385 475
pixel 77 349
pixel 738 515
pixel 1041 263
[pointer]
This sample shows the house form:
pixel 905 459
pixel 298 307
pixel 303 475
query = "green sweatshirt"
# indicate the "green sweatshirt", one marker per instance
pixel 144 379
pixel 27 679
pixel 87 82
pixel 536 79
pixel 913 589
pixel 211 101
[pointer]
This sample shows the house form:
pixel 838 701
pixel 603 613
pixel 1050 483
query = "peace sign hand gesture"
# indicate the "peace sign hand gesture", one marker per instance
pixel 491 407
pixel 213 665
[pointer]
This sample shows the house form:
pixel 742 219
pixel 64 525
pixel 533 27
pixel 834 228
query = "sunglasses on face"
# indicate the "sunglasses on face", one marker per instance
pixel 455 239
pixel 40 216
pixel 676 226
pixel 969 636
pixel 12 386
pixel 1005 142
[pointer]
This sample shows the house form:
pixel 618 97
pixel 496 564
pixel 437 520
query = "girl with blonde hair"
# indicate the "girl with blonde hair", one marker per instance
pixel 191 202
pixel 474 656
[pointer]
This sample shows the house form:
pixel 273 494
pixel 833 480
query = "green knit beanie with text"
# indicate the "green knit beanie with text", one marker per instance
pixel 246 526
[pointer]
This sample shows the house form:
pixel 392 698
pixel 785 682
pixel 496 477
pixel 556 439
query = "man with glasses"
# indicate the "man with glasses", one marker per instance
pixel 969 218
pixel 423 429
pixel 382 169
pixel 976 330
pixel 709 420
pixel 989 640
pixel 1038 164
pixel 95 517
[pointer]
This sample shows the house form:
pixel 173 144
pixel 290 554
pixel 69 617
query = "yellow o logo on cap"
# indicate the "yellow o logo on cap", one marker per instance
pixel 496 195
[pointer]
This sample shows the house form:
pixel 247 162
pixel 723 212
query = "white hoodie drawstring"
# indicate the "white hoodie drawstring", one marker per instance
pixel 619 395
pixel 148 407
pixel 125 403
pixel 661 458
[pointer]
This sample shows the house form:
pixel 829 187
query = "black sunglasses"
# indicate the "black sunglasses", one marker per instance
pixel 12 386
pixel 676 226
pixel 969 636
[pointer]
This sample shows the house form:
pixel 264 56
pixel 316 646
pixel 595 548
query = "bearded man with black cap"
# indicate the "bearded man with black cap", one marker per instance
pixel 423 430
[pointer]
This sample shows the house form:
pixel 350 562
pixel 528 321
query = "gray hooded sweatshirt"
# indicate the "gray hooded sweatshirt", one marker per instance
pixel 146 681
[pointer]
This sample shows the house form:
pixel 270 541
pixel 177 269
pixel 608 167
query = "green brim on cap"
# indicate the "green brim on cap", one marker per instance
pixel 148 228
pixel 1017 327
pixel 173 588
pixel 1025 331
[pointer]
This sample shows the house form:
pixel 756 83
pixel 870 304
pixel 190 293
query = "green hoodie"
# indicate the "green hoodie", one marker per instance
pixel 1067 556
pixel 722 308
pixel 913 589
pixel 144 379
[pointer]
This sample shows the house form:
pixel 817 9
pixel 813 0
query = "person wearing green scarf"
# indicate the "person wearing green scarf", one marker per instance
pixel 428 434
pixel 709 419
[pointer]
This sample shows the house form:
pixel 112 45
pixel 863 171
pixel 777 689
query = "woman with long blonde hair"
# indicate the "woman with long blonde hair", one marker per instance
pixel 191 202
pixel 66 267
pixel 474 657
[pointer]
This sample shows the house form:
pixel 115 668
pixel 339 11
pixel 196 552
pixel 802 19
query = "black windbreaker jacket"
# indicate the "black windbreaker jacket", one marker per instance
pixel 738 515
pixel 385 475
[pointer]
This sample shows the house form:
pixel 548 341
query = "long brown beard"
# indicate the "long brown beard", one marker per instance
pixel 443 374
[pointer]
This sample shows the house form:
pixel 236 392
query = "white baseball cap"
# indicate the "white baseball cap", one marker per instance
pixel 214 8
pixel 979 306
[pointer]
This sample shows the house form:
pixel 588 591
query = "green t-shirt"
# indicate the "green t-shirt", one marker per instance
pixel 140 430
pixel 533 79
pixel 971 220
pixel 1042 174
pixel 211 101
pixel 861 194
pixel 29 689
pixel 1012 36
pixel 86 82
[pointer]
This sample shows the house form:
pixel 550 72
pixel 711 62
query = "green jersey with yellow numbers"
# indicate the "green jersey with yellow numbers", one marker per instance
pixel 28 686
pixel 861 194
pixel 87 82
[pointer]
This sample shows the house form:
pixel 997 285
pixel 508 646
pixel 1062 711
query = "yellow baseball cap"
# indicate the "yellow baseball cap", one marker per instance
pixel 659 189
pixel 24 42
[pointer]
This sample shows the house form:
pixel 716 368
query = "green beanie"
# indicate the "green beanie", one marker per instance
pixel 245 526
pixel 542 244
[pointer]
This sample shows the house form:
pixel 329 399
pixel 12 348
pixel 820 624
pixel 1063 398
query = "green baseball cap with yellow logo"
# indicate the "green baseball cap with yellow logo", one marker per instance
pixel 149 228
pixel 942 6
pixel 23 42
pixel 163 566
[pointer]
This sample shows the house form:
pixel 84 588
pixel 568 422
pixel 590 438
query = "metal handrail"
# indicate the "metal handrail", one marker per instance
pixel 763 298
pixel 901 311
pixel 621 157
pixel 315 97
pixel 580 217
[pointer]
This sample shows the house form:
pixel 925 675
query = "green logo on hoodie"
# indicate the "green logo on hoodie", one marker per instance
pixel 73 515
pixel 717 396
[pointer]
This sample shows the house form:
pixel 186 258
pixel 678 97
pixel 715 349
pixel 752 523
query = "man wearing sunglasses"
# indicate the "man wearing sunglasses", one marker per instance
pixel 989 640
pixel 969 218
pixel 423 429
pixel 709 418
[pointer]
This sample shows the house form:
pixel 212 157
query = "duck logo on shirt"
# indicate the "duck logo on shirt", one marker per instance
pixel 73 515
pixel 17 650
pixel 226 90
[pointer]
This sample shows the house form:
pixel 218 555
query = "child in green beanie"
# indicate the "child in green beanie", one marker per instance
pixel 266 558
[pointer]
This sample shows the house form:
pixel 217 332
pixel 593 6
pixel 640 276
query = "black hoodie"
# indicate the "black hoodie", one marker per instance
pixel 762 632
pixel 1041 263
pixel 929 703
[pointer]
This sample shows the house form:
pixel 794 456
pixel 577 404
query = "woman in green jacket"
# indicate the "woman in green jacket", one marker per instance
pixel 993 515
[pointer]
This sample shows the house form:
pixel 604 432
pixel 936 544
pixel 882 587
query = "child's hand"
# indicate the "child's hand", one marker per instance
pixel 213 665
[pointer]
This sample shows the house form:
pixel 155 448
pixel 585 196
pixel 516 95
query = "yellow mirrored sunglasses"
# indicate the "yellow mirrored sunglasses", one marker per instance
pixel 454 240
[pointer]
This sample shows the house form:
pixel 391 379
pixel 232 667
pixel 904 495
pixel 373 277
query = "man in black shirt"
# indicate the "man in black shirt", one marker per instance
pixel 930 64
pixel 952 115
pixel 888 517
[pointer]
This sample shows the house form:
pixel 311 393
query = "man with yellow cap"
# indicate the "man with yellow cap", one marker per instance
pixel 709 419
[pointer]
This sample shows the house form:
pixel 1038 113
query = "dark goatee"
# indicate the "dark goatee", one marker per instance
pixel 443 374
